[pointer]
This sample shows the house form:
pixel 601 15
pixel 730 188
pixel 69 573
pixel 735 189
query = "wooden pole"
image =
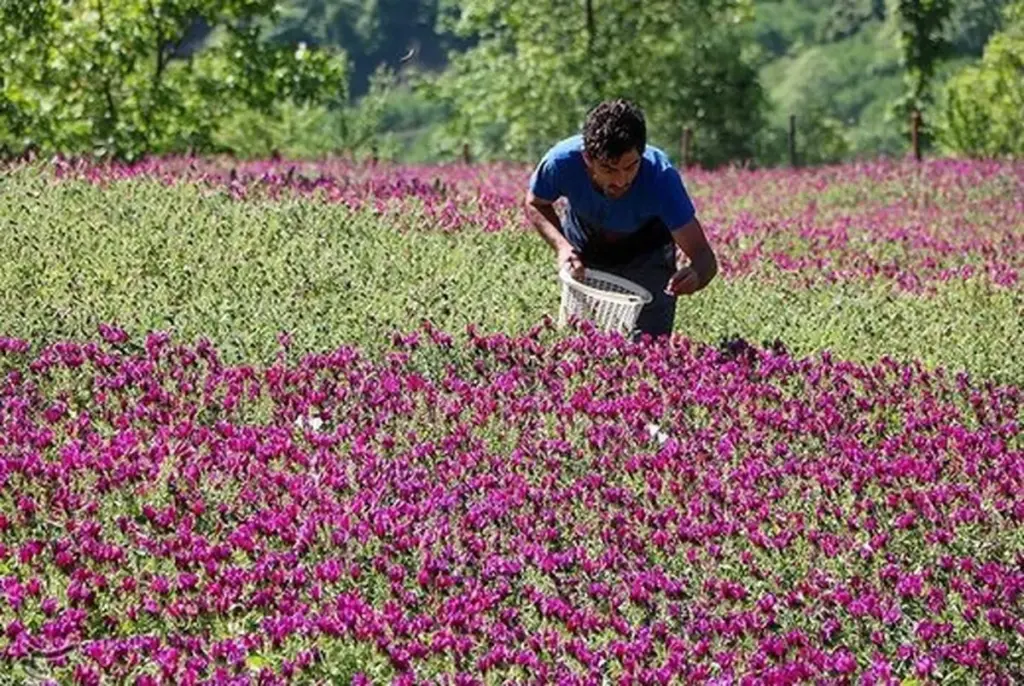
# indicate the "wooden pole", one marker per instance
pixel 915 139
pixel 792 140
pixel 465 153
pixel 687 143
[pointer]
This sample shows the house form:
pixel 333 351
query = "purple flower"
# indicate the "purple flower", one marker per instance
pixel 843 661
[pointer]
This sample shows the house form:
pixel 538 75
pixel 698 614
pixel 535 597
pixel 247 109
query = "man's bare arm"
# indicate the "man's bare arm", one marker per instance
pixel 547 223
pixel 703 264
pixel 544 218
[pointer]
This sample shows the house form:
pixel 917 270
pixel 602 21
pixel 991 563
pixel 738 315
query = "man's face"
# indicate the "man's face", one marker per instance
pixel 614 176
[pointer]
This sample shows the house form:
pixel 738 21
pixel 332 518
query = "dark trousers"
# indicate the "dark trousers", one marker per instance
pixel 647 258
pixel 652 270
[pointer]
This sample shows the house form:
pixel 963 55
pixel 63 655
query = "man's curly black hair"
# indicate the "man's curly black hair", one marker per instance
pixel 613 128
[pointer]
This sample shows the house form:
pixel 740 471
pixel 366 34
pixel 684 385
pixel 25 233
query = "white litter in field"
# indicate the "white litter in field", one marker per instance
pixel 312 422
pixel 657 434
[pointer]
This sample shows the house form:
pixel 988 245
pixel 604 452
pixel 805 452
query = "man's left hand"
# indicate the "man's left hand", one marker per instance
pixel 683 282
pixel 703 265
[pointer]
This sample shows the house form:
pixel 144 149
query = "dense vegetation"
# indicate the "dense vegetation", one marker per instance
pixel 421 80
pixel 277 423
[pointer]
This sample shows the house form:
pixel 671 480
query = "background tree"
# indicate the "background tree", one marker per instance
pixel 838 65
pixel 538 65
pixel 982 113
pixel 924 44
pixel 118 78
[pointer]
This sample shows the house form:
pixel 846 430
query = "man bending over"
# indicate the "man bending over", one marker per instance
pixel 628 212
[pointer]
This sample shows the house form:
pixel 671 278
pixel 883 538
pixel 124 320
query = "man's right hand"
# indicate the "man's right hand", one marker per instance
pixel 569 258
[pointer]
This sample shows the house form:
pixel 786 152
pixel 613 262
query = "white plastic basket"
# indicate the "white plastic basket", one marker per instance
pixel 611 302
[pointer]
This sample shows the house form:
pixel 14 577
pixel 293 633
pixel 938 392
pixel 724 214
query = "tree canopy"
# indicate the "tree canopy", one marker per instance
pixel 538 65
pixel 982 113
pixel 114 77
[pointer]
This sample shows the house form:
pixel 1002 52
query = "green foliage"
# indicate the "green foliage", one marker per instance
pixel 410 126
pixel 982 113
pixel 839 59
pixel 787 26
pixel 108 77
pixel 838 91
pixel 373 33
pixel 923 42
pixel 845 18
pixel 820 139
pixel 833 76
pixel 388 122
pixel 296 131
pixel 845 60
pixel 539 65
pixel 237 92
pixel 305 131
pixel 972 23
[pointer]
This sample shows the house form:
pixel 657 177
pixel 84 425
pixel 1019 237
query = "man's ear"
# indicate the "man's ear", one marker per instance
pixel 587 161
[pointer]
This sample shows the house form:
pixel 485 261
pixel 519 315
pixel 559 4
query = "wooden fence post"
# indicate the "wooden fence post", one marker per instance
pixel 915 139
pixel 687 143
pixel 465 153
pixel 792 140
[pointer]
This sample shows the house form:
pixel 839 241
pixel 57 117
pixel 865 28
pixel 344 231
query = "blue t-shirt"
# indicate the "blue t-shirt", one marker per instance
pixel 657 193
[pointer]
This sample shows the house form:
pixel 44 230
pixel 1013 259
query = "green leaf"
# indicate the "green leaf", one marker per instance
pixel 256 662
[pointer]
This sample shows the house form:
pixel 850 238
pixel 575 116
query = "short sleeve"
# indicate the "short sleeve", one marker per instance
pixel 544 183
pixel 676 207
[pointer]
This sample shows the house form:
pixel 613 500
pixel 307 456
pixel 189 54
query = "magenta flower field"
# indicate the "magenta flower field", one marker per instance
pixel 477 505
pixel 555 513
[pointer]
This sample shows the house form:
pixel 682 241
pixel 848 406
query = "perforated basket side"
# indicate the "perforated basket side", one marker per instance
pixel 607 286
pixel 609 301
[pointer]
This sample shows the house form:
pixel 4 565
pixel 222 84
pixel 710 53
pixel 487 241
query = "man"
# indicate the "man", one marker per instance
pixel 628 211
